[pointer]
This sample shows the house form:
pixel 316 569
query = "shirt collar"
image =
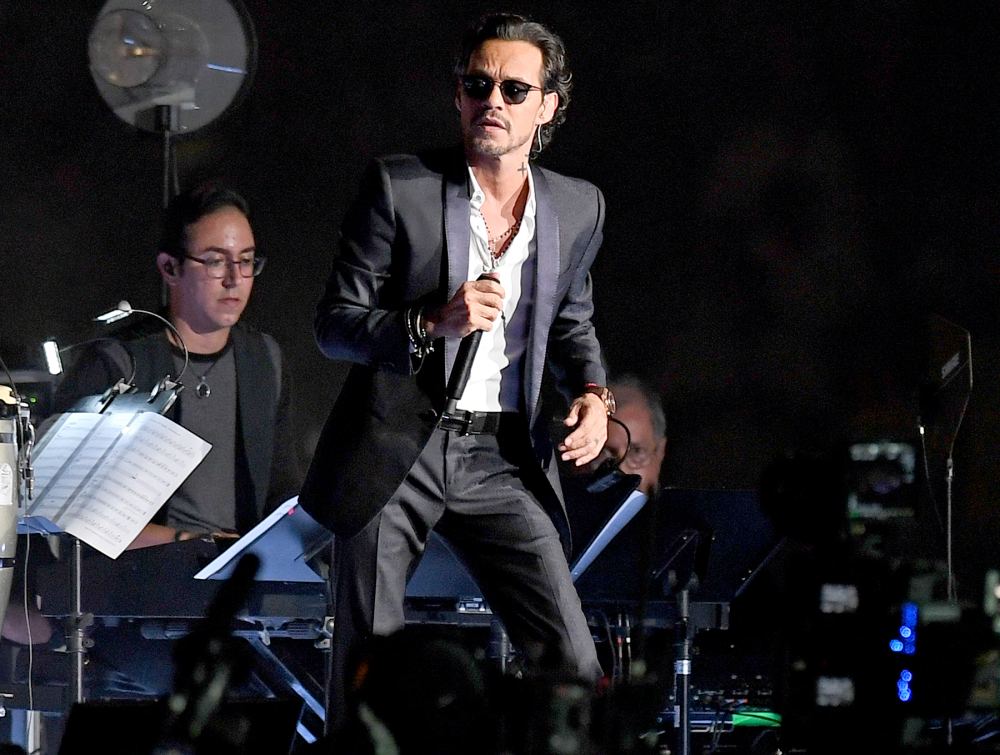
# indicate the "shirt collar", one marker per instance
pixel 477 196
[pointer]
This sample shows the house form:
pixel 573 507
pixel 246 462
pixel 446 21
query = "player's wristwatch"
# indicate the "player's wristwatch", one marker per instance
pixel 604 394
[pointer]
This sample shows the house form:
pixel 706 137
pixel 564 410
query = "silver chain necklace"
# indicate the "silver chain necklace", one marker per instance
pixel 202 389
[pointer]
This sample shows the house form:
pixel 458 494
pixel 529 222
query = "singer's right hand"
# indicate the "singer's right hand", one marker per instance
pixel 475 306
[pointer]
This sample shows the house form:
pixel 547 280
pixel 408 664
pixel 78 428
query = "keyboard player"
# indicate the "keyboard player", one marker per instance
pixel 237 394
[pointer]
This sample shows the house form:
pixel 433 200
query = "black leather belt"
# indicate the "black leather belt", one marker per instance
pixel 471 423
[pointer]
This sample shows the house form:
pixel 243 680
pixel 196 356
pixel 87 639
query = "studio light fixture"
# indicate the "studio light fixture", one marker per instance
pixel 171 66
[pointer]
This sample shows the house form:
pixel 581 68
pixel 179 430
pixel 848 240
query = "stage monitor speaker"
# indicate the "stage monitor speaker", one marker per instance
pixel 133 727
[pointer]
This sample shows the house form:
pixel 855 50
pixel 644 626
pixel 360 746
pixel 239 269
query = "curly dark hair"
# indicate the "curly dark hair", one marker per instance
pixel 510 27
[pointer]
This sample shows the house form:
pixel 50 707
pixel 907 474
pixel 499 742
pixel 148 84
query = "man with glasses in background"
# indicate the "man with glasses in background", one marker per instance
pixel 436 247
pixel 637 454
pixel 236 395
pixel 644 447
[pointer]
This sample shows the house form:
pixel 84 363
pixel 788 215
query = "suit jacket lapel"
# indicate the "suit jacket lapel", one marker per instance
pixel 456 245
pixel 547 266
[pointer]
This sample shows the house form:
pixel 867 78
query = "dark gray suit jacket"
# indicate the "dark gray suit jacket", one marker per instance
pixel 405 242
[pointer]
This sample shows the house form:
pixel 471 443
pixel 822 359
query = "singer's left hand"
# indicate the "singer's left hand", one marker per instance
pixel 589 417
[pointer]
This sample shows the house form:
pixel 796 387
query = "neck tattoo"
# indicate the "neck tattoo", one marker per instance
pixel 523 169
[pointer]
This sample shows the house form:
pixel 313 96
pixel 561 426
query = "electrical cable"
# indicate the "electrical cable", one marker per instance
pixel 27 625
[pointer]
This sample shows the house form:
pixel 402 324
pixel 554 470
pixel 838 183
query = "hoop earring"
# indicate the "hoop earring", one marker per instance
pixel 538 135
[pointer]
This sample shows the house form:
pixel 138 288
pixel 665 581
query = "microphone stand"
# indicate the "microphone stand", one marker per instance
pixel 674 579
pixel 682 674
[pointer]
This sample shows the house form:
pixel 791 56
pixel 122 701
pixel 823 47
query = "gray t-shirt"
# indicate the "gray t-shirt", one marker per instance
pixel 206 501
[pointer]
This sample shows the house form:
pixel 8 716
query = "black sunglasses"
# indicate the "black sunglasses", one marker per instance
pixel 481 87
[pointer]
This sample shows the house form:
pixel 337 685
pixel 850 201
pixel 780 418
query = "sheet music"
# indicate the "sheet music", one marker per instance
pixel 284 542
pixel 632 505
pixel 102 477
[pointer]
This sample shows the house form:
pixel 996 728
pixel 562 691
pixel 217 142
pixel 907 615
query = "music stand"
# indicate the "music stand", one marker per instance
pixel 284 542
pixel 67 457
pixel 706 544
pixel 624 514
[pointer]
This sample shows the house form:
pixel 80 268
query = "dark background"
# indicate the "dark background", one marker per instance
pixel 790 191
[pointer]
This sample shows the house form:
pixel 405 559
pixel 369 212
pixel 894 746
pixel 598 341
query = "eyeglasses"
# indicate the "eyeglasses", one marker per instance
pixel 481 87
pixel 638 456
pixel 217 265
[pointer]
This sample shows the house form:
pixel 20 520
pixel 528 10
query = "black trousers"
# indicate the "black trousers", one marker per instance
pixel 482 493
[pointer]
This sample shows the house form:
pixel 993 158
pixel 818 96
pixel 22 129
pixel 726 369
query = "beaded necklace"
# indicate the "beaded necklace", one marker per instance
pixel 499 245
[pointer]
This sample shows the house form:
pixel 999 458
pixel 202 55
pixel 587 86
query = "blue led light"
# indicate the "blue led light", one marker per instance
pixel 906 643
pixel 903 691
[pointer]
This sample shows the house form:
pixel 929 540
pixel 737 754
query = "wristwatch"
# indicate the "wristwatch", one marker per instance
pixel 604 394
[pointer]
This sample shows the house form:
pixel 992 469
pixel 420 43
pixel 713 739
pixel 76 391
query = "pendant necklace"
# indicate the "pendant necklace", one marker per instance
pixel 203 389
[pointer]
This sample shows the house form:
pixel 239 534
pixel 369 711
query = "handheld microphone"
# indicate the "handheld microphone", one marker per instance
pixel 463 365
pixel 460 372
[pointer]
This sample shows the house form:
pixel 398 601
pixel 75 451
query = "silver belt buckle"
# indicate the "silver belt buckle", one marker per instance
pixel 462 425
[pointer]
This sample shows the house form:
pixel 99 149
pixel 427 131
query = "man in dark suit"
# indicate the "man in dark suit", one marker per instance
pixel 406 286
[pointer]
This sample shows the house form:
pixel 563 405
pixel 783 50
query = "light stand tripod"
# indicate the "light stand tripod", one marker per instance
pixel 682 674
pixel 680 579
